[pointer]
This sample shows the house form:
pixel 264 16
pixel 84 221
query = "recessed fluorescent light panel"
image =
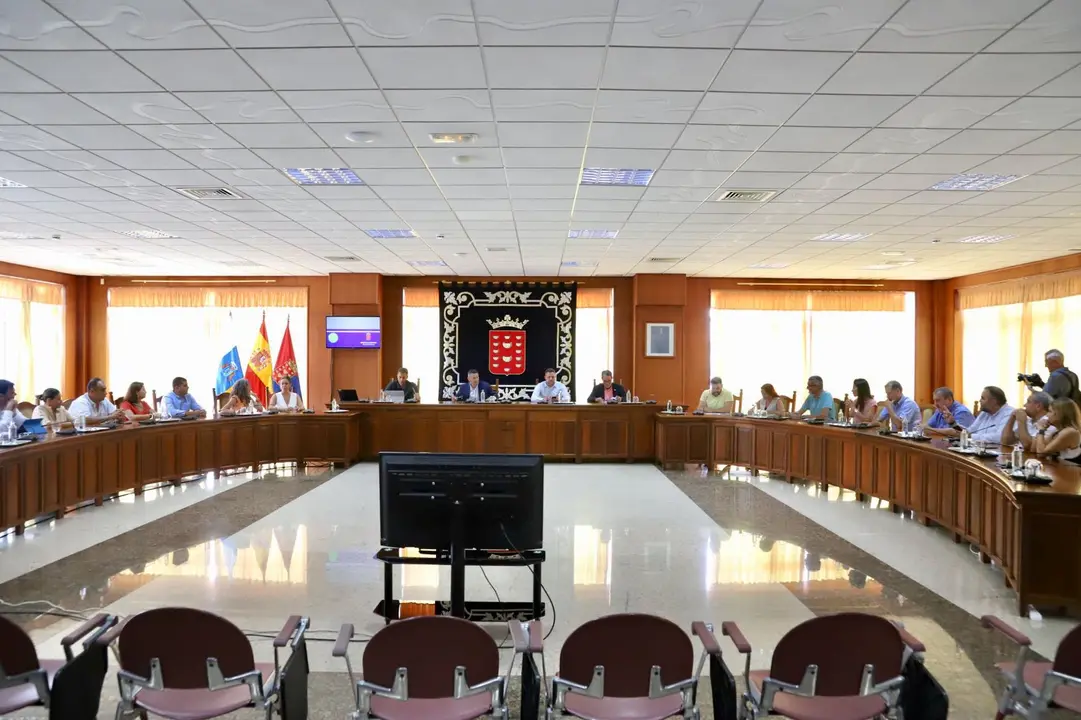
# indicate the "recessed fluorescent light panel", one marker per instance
pixel 453 138
pixel 886 266
pixel 389 234
pixel 322 176
pixel 593 234
pixel 578 263
pixel 5 183
pixel 427 263
pixel 975 182
pixel 984 239
pixel 893 253
pixel 842 237
pixel 7 235
pixel 615 176
pixel 768 266
pixel 148 235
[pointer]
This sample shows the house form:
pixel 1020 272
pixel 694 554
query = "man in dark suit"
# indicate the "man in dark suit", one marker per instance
pixel 476 390
pixel 401 382
pixel 607 391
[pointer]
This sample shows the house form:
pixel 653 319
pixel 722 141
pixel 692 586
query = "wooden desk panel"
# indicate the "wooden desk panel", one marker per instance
pixel 1032 531
pixel 52 475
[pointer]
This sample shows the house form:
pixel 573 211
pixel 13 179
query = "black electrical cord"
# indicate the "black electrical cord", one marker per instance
pixel 555 616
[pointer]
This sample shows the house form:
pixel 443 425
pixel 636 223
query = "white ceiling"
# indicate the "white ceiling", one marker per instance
pixel 850 109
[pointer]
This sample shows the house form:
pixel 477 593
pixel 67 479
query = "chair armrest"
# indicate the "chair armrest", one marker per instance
pixel 732 631
pixel 341 645
pixel 99 620
pixel 993 623
pixel 110 635
pixel 527 637
pixel 909 639
pixel 287 631
pixel 705 634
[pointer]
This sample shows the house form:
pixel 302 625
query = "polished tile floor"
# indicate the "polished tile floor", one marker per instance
pixel 686 545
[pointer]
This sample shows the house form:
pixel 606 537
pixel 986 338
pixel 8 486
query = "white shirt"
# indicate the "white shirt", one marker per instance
pixel 7 416
pixel 83 406
pixel 543 391
pixel 278 401
pixel 988 428
pixel 1030 424
pixel 49 416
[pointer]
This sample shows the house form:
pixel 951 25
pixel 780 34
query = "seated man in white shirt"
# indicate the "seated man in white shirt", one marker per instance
pixel 8 402
pixel 1027 421
pixel 550 391
pixel 993 418
pixel 94 406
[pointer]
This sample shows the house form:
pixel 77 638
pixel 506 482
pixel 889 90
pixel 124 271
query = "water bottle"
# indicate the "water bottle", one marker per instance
pixel 334 405
pixel 8 431
pixel 482 396
pixel 964 439
pixel 668 408
pixel 80 423
pixel 1017 457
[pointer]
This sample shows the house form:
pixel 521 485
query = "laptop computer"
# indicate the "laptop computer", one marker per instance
pixel 395 396
pixel 348 395
pixel 34 426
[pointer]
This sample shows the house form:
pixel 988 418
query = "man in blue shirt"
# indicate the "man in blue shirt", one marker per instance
pixel 819 403
pixel 902 413
pixel 179 403
pixel 949 416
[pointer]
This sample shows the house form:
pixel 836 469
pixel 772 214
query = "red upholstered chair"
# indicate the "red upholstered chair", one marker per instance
pixel 636 666
pixel 435 666
pixel 188 664
pixel 70 688
pixel 1034 687
pixel 843 667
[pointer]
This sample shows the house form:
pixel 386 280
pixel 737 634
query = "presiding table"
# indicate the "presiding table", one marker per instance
pixel 49 476
pixel 1032 531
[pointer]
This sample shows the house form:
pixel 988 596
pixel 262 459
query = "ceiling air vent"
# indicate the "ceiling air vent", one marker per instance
pixel 664 260
pixel 342 258
pixel 219 193
pixel 746 195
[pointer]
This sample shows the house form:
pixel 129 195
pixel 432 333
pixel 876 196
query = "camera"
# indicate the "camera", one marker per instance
pixel 1033 380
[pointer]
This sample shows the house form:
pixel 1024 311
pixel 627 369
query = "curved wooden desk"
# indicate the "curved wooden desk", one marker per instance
pixel 51 475
pixel 1032 531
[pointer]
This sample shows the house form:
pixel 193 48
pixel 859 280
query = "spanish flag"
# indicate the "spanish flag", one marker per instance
pixel 259 366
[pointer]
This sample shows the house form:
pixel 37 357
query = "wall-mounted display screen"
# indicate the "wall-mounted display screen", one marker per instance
pixel 353 332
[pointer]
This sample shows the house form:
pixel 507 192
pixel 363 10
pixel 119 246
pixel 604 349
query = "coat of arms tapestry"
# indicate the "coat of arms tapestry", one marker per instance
pixel 510 333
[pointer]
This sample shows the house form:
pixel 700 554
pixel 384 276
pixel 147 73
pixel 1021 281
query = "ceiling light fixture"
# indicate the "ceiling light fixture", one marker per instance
pixel 453 138
pixel 616 176
pixel 361 137
pixel 5 183
pixel 7 235
pixel 390 233
pixel 984 239
pixel 892 253
pixel 427 263
pixel 768 266
pixel 322 176
pixel 841 237
pixel 149 235
pixel 593 234
pixel 977 182
pixel 496 249
pixel 577 263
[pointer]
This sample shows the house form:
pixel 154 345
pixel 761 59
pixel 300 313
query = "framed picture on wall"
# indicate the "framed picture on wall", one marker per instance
pixel 660 339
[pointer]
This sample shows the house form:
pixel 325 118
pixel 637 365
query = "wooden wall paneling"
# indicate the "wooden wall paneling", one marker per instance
pixel 358 294
pixel 696 344
pixel 506 430
pixel 317 383
pixel 725 444
pixel 660 299
pixel 553 432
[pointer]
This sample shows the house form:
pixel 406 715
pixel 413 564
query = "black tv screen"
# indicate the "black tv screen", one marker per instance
pixel 500 498
pixel 354 332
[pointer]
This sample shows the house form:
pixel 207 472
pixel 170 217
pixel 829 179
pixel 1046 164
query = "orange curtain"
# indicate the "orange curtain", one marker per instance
pixel 594 298
pixel 1023 290
pixel 238 297
pixel 817 300
pixel 420 297
pixel 31 291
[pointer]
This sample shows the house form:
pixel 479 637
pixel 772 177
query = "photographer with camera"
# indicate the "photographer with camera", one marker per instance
pixel 1061 383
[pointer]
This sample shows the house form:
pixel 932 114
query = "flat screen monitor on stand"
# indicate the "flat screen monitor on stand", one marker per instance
pixel 461 510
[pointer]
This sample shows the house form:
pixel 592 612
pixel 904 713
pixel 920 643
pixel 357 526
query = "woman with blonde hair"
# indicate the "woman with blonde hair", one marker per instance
pixel 1061 431
pixel 241 401
pixel 771 402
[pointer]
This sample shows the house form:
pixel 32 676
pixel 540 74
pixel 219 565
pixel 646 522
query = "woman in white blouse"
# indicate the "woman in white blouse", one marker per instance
pixel 286 400
pixel 51 410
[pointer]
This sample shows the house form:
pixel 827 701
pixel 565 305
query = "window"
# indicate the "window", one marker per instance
pixel 32 349
pixel 593 339
pixel 155 334
pixel 783 338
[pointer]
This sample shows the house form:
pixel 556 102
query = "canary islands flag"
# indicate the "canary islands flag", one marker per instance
pixel 228 372
pixel 258 372
pixel 286 366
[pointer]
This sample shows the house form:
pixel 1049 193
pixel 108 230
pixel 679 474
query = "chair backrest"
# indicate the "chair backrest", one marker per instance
pixel 221 398
pixel 26 408
pixel 156 398
pixel 67 403
pixel 111 398
pixel 628 645
pixel 839 407
pixel 430 648
pixel 17 654
pixel 926 411
pixel 840 645
pixel 1068 654
pixel 976 408
pixel 182 639
pixel 789 401
pixel 738 401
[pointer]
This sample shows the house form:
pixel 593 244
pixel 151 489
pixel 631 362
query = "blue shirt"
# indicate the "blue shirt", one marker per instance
pixel 815 405
pixel 906 409
pixel 961 416
pixel 177 405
